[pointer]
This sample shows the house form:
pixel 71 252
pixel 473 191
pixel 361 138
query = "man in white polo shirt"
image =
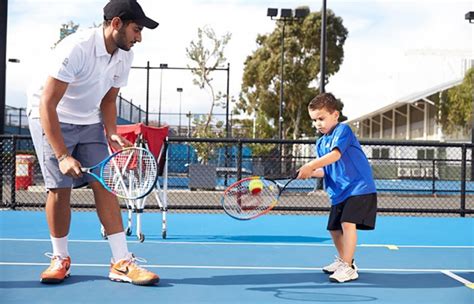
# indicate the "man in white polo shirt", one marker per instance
pixel 72 116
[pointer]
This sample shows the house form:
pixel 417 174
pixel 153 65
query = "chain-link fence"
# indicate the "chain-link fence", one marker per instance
pixel 411 177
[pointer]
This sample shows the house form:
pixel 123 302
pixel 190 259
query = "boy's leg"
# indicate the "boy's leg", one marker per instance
pixel 349 242
pixel 337 238
pixel 347 271
pixel 335 229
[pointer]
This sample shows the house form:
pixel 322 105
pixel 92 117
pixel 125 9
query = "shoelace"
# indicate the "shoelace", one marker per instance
pixel 345 269
pixel 57 261
pixel 337 259
pixel 133 259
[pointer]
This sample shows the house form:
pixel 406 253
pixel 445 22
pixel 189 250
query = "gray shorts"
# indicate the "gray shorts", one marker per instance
pixel 86 143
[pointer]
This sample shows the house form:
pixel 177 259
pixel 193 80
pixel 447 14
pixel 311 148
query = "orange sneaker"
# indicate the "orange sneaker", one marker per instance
pixel 127 270
pixel 58 270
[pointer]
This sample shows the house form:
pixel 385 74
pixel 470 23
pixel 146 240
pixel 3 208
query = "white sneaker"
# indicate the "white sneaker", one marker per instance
pixel 331 268
pixel 344 273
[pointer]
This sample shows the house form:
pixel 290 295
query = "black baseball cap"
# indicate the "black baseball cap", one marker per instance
pixel 128 10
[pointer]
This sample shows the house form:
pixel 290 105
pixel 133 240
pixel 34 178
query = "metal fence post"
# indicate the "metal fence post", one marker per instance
pixel 463 182
pixel 2 174
pixel 239 160
pixel 12 204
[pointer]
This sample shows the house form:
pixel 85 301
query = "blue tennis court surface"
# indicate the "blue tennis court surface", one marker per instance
pixel 211 258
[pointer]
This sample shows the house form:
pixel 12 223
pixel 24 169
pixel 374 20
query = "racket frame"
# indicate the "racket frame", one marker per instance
pixel 281 188
pixel 101 166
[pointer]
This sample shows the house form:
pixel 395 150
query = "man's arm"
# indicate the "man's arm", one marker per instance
pixel 53 91
pixel 307 170
pixel 109 119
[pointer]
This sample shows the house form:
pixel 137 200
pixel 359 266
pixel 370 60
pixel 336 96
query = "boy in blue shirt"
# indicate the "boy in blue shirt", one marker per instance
pixel 347 180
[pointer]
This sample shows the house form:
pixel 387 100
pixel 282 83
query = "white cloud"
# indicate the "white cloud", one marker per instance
pixel 379 65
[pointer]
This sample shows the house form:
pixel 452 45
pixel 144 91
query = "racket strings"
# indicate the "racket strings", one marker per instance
pixel 240 202
pixel 131 173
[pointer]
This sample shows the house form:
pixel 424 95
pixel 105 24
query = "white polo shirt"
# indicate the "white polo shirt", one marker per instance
pixel 82 61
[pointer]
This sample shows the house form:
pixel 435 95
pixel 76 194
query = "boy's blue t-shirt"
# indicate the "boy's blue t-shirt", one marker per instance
pixel 351 174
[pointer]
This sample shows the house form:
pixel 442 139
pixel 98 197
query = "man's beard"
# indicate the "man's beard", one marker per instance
pixel 121 40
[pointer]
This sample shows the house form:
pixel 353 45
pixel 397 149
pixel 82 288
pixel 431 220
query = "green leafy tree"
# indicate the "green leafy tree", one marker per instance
pixel 456 106
pixel 261 80
pixel 66 30
pixel 207 54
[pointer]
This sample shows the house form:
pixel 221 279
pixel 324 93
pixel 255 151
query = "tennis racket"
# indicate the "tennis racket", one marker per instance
pixel 241 203
pixel 130 173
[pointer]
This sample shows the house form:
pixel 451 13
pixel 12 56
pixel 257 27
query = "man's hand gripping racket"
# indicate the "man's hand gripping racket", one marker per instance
pixel 130 173
pixel 252 197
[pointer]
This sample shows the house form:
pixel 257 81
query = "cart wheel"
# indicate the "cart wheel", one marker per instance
pixel 128 231
pixel 163 234
pixel 141 237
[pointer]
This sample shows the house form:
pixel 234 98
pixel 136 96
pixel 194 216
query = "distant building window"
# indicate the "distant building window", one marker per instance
pixel 380 153
pixel 425 154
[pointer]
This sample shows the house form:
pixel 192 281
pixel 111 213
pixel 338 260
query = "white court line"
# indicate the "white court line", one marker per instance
pixel 248 267
pixel 468 283
pixel 249 243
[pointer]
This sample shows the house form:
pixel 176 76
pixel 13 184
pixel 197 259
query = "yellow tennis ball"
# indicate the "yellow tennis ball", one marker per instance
pixel 255 186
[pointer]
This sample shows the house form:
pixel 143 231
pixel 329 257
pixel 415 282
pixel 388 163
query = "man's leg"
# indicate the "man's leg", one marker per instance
pixel 58 212
pixel 123 267
pixel 108 209
pixel 58 216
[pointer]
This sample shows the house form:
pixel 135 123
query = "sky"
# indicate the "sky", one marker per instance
pixel 394 48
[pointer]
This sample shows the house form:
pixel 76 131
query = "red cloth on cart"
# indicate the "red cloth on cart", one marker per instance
pixel 154 136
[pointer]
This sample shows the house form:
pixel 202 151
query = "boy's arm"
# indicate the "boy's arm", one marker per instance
pixel 307 170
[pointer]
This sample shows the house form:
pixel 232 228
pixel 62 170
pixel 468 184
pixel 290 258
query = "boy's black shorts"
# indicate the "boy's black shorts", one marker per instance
pixel 360 210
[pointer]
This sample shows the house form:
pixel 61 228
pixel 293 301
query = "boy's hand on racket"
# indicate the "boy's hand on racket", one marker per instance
pixel 306 171
pixel 70 167
pixel 117 142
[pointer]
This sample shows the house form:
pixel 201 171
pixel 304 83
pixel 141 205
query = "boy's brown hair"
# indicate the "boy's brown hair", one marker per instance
pixel 325 101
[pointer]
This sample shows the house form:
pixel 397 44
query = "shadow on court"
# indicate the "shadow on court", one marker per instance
pixel 366 280
pixel 73 279
pixel 244 238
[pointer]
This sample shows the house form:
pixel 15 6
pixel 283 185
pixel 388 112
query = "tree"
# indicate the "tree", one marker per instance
pixel 66 30
pixel 456 106
pixel 207 53
pixel 261 80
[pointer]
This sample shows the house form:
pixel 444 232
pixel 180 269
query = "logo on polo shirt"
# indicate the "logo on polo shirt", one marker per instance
pixel 65 62
pixel 116 77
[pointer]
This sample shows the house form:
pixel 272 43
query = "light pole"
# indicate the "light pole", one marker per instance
pixel 180 91
pixel 3 57
pixel 470 17
pixel 286 15
pixel 162 66
pixel 189 123
pixel 322 64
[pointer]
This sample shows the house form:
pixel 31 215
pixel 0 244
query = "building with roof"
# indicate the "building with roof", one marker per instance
pixel 412 117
